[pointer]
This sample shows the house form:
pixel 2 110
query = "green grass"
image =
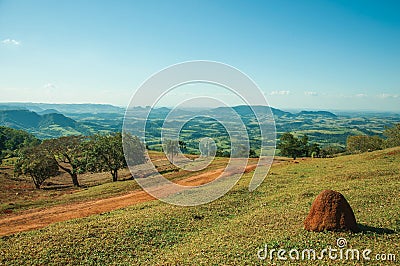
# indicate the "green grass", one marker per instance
pixel 229 231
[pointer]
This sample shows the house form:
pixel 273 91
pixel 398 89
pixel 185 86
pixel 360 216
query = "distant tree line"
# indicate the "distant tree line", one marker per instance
pixel 364 143
pixel 79 154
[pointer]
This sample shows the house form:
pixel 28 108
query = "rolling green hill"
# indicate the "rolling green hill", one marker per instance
pixel 43 126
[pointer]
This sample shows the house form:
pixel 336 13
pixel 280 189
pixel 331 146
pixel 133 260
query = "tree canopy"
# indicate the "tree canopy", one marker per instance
pixel 69 154
pixel 134 150
pixel 106 153
pixel 289 145
pixel 363 143
pixel 393 136
pixel 294 147
pixel 171 147
pixel 36 163
pixel 13 139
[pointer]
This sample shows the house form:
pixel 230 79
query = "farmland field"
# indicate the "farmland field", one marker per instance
pixel 322 127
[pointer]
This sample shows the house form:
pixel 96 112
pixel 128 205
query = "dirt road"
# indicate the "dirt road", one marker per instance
pixel 38 218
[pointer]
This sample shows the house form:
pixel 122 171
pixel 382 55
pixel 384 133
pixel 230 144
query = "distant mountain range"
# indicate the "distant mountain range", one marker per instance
pixel 55 120
pixel 245 110
pixel 62 108
pixel 317 113
pixel 47 125
pixel 47 108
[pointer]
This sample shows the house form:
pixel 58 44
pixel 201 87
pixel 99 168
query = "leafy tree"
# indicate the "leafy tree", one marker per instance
pixel 241 151
pixel 304 146
pixel 290 146
pixel 171 147
pixel 36 163
pixel 2 146
pixel 106 153
pixel 252 154
pixel 314 150
pixel 331 150
pixel 2 140
pixel 182 146
pixel 393 136
pixel 13 139
pixel 222 153
pixel 294 147
pixel 69 154
pixel 134 150
pixel 357 144
pixel 207 148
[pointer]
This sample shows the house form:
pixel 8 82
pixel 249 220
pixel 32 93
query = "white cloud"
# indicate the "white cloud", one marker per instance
pixel 361 95
pixel 310 93
pixel 10 42
pixel 49 91
pixel 388 95
pixel 49 86
pixel 280 93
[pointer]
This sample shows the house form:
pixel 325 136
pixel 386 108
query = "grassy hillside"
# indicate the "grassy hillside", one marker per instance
pixel 231 230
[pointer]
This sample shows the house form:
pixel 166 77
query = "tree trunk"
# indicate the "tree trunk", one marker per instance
pixel 37 186
pixel 114 175
pixel 74 177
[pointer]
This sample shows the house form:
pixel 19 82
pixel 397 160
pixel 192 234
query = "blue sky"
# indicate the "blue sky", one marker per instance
pixel 302 54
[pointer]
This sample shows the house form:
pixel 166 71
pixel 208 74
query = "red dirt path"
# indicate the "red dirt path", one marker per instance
pixel 38 218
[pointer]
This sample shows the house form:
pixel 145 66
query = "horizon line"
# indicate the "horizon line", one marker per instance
pixel 288 109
